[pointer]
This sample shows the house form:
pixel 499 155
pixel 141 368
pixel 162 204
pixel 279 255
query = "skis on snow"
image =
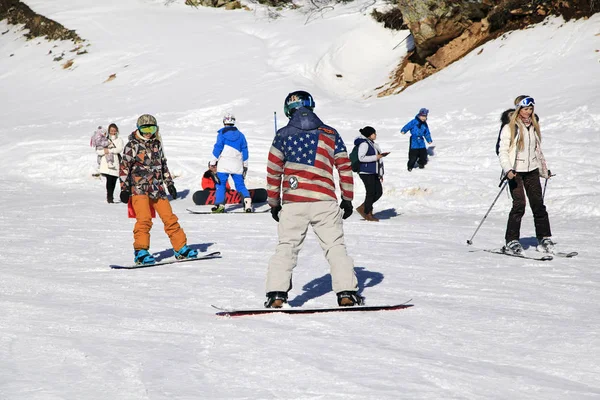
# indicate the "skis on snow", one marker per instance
pixel 223 312
pixel 172 260
pixel 545 257
pixel 565 254
pixel 540 257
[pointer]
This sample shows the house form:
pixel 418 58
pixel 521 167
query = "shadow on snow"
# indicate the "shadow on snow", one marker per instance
pixel 201 247
pixel 386 214
pixel 322 285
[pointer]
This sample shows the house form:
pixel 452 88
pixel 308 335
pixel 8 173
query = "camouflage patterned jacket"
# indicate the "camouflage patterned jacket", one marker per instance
pixel 143 169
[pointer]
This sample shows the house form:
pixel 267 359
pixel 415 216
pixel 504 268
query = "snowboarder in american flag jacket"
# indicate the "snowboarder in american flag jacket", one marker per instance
pixel 301 164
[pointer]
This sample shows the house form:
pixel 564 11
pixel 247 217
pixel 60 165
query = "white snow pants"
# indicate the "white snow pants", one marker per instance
pixel 325 217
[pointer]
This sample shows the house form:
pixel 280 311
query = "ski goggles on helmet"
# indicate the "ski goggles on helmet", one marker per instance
pixel 526 102
pixel 148 129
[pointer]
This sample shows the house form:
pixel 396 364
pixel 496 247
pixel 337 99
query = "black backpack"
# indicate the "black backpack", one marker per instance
pixel 504 119
pixel 354 161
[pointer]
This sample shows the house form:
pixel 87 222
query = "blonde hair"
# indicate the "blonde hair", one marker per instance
pixel 514 121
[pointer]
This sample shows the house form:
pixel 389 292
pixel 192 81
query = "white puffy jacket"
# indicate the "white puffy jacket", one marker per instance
pixel 518 160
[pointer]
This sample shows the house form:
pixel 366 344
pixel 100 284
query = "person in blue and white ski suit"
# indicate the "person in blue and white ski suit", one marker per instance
pixel 230 156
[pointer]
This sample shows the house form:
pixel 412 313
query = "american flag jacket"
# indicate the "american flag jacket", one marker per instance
pixel 301 162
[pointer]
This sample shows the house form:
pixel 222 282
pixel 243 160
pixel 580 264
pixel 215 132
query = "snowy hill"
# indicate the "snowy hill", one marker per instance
pixel 483 327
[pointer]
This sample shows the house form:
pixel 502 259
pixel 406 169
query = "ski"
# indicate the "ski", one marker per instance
pixel 570 254
pixel 302 310
pixel 547 257
pixel 172 260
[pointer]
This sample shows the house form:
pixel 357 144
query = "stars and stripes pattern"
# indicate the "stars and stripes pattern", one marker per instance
pixel 302 162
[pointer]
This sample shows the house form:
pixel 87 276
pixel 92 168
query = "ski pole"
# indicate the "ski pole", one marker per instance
pixel 275 120
pixel 545 184
pixel 503 185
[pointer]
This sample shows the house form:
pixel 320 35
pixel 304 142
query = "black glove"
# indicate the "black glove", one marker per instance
pixel 124 196
pixel 244 173
pixel 172 191
pixel 275 212
pixel 346 205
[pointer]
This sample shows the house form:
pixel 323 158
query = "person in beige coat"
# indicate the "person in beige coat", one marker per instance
pixel 109 157
pixel 522 162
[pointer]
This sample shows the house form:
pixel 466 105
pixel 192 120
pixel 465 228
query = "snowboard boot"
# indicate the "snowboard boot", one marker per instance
pixel 218 209
pixel 349 298
pixel 513 247
pixel 110 200
pixel 276 299
pixel 248 204
pixel 185 252
pixel 143 257
pixel 546 245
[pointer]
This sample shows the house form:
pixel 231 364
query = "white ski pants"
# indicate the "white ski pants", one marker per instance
pixel 325 218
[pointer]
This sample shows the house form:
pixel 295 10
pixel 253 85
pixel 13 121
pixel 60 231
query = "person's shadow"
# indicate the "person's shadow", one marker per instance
pixel 386 214
pixel 180 195
pixel 529 242
pixel 322 285
pixel 161 255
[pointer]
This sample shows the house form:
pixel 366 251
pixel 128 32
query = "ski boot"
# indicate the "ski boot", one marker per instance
pixel 276 299
pixel 513 247
pixel 247 204
pixel 218 209
pixel 349 298
pixel 143 257
pixel 185 252
pixel 546 245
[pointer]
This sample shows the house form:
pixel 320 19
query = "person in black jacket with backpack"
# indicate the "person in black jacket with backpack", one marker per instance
pixel 370 171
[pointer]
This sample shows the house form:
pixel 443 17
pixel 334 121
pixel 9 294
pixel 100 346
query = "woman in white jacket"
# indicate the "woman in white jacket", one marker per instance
pixel 523 163
pixel 109 166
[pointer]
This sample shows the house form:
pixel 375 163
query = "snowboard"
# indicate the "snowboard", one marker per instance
pixel 172 260
pixel 231 209
pixel 207 197
pixel 304 310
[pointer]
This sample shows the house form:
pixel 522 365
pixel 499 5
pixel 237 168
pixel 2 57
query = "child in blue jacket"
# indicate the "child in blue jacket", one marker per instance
pixel 419 133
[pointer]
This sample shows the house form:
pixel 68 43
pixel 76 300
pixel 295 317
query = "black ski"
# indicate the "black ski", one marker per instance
pixel 565 254
pixel 172 260
pixel 303 310
pixel 546 257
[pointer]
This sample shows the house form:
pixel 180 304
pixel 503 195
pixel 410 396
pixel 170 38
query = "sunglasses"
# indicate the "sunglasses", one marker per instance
pixel 152 129
pixel 526 102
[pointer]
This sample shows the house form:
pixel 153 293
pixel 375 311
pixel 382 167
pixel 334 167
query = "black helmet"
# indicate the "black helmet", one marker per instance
pixel 296 100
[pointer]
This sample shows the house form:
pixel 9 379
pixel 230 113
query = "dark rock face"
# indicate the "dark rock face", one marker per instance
pixel 17 12
pixel 434 23
pixel 444 31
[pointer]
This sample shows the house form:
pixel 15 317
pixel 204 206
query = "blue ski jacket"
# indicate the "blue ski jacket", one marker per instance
pixel 231 150
pixel 419 133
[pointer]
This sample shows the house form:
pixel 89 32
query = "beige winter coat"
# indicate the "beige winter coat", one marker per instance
pixel 518 160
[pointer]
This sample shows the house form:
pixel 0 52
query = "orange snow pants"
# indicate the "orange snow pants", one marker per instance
pixel 143 224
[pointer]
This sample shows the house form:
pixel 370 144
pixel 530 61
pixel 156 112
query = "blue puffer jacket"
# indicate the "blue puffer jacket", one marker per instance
pixel 419 133
pixel 231 150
